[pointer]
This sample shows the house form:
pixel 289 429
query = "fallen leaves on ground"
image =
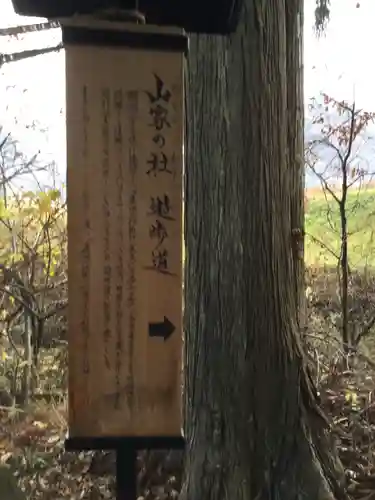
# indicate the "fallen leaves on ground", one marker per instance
pixel 32 447
pixel 349 398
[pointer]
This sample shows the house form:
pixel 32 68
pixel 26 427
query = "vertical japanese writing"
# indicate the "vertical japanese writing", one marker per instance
pixel 158 164
pixel 105 108
pixel 118 139
pixel 86 247
pixel 132 110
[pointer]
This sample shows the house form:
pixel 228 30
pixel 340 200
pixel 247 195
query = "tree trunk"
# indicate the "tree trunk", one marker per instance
pixel 27 368
pixel 253 424
pixel 295 147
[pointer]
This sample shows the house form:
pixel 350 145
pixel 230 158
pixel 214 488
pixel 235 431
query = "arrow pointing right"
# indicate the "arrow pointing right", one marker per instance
pixel 162 329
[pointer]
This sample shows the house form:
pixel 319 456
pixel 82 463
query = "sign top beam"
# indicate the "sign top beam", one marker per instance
pixel 85 30
pixel 194 16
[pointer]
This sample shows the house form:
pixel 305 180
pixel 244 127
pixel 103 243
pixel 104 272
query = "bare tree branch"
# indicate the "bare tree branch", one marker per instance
pixel 19 56
pixel 325 184
pixel 366 330
pixel 29 28
pixel 323 245
pixel 354 115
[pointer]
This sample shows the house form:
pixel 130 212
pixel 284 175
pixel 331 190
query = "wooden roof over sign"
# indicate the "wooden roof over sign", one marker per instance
pixel 194 16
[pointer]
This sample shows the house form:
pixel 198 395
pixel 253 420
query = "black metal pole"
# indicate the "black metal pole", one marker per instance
pixel 126 472
pixel 126 448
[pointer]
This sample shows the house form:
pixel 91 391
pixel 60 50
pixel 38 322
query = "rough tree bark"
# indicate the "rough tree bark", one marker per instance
pixel 253 424
pixel 295 148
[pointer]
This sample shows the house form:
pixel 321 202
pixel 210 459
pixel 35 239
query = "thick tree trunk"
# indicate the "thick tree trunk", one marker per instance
pixel 253 424
pixel 295 147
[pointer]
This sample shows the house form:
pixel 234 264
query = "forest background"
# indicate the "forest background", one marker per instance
pixel 339 257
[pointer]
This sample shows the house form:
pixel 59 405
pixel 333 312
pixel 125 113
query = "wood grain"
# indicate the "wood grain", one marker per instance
pixel 124 154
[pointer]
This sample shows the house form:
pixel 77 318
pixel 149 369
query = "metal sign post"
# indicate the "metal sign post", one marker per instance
pixel 124 152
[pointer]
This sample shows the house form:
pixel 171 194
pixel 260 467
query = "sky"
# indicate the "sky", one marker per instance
pixel 32 92
pixel 341 62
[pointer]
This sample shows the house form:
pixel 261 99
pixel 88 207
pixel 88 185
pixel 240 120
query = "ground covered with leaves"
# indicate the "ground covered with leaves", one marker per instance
pixel 32 440
pixel 348 397
pixel 32 447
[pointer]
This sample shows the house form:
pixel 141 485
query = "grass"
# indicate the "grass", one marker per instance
pixel 322 226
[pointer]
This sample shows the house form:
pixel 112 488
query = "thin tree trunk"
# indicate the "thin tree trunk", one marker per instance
pixel 253 425
pixel 347 340
pixel 27 368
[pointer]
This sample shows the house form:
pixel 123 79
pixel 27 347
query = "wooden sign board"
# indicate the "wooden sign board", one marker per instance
pixel 124 153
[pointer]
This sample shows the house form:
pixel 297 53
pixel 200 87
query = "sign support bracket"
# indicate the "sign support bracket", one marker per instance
pixel 126 449
pixel 126 473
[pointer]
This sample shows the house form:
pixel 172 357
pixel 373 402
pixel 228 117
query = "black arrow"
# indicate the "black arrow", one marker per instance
pixel 163 330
